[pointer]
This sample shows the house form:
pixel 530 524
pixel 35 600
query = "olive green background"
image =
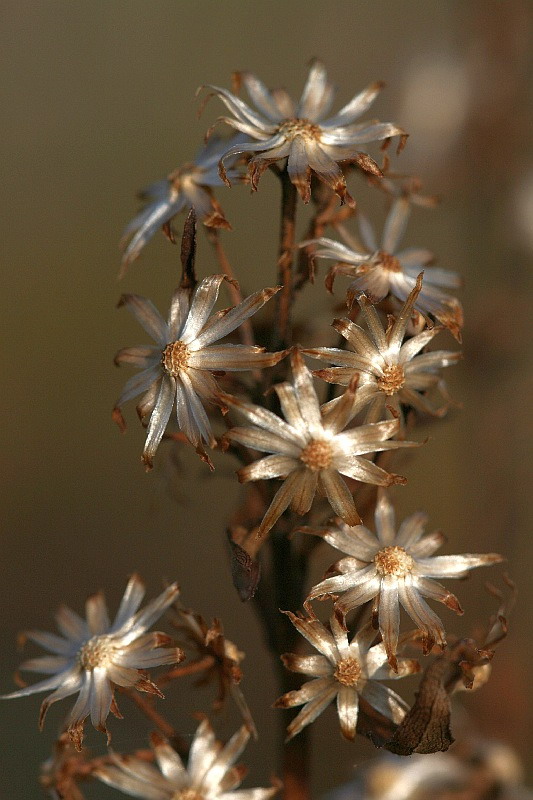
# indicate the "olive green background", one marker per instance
pixel 97 100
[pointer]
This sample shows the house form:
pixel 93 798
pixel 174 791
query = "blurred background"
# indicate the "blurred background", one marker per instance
pixel 97 101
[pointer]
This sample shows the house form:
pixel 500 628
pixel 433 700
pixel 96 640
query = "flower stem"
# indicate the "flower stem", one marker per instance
pixel 289 198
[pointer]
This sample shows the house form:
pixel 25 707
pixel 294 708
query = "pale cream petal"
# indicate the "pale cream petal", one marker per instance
pixel 360 469
pixel 306 395
pixel 411 529
pixel 328 171
pixel 159 419
pixel 139 383
pixel 96 614
pixel 204 298
pixel 274 466
pixel 304 492
pixel 101 698
pixel 235 317
pixel 264 441
pixel 374 323
pixel 385 519
pixel 307 665
pixel 71 624
pixel 298 168
pixel 339 496
pixel 421 614
pixel 141 356
pixel 261 96
pixel 358 541
pixel 280 503
pixel 259 416
pixel 131 600
pixel 51 642
pixel 359 595
pixel 179 310
pixel 133 784
pixel 342 583
pixel 224 760
pixel 455 566
pixel 396 224
pixel 357 106
pixel 233 357
pixel 427 545
pixel 203 752
pixel 316 634
pixel 312 710
pixel 146 315
pixel 435 591
pixel 312 99
pixel 291 410
pixel 389 616
pixel 347 709
pixel 358 340
pixel 170 764
pixel 385 701
pixel 48 665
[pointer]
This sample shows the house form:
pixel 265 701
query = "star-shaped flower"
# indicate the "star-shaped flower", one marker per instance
pixel 380 270
pixel 345 670
pixel 92 656
pixel 179 368
pixel 390 371
pixel 311 450
pixel 395 568
pixel 302 132
pixel 209 775
pixel 189 186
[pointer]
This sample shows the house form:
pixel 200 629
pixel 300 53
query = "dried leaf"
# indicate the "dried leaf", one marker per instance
pixel 245 571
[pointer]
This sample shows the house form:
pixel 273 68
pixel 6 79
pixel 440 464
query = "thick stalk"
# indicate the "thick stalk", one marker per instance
pixel 289 198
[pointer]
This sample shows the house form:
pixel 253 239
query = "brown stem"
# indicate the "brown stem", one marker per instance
pixel 245 329
pixel 289 198
pixel 145 705
pixel 191 668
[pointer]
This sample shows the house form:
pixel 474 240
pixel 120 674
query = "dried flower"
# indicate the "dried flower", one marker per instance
pixel 93 656
pixel 390 371
pixel 343 670
pixel 378 270
pixel 311 450
pixel 185 187
pixel 394 568
pixel 210 773
pixel 178 369
pixel 302 132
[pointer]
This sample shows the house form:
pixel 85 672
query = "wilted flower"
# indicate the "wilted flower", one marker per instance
pixel 92 656
pixel 378 270
pixel 178 369
pixel 185 187
pixel 209 774
pixel 311 450
pixel 302 132
pixel 391 371
pixel 394 568
pixel 344 670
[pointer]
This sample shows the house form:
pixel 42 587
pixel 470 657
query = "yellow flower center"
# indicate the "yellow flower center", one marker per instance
pixel 388 262
pixel 175 357
pixel 393 560
pixel 317 455
pixel 392 380
pixel 187 794
pixel 299 127
pixel 348 671
pixel 97 652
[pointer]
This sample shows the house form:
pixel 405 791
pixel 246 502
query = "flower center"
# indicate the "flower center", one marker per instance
pixel 97 652
pixel 187 794
pixel 393 560
pixel 317 455
pixel 299 127
pixel 175 357
pixel 348 671
pixel 388 262
pixel 392 380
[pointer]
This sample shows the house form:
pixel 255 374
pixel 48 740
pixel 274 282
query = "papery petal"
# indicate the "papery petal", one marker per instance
pixel 96 614
pixel 274 466
pixel 204 298
pixel 347 709
pixel 339 496
pixel 316 634
pixel 298 168
pixel 264 441
pixel 385 519
pixel 146 315
pixel 235 317
pixel 357 106
pixel 307 665
pixel 159 418
pixel 311 710
pixel 385 701
pixel 455 566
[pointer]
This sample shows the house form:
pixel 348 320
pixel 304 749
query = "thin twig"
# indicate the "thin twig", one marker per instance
pixel 191 668
pixel 289 198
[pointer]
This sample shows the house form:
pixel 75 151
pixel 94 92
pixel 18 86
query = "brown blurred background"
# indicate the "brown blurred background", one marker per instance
pixel 97 100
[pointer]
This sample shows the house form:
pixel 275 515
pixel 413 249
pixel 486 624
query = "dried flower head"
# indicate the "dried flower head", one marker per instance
pixel 92 656
pixel 380 270
pixel 345 670
pixel 179 368
pixel 395 568
pixel 189 186
pixel 302 132
pixel 210 772
pixel 311 450
pixel 391 372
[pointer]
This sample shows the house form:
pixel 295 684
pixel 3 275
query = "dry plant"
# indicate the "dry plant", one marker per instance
pixel 316 452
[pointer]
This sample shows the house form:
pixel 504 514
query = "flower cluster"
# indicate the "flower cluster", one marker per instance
pixel 330 436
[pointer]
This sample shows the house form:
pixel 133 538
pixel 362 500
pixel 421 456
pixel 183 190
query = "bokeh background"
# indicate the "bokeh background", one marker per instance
pixel 97 100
